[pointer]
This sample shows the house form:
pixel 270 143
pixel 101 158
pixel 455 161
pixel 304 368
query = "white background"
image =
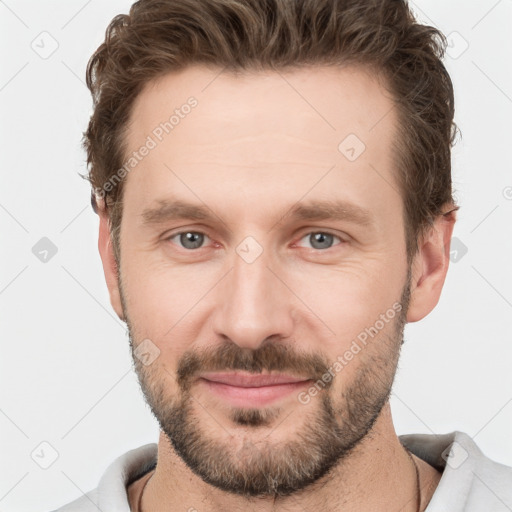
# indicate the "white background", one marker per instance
pixel 65 366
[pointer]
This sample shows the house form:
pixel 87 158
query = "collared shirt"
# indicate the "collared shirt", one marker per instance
pixel 470 482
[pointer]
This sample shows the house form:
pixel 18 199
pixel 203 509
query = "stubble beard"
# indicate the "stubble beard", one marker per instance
pixel 256 466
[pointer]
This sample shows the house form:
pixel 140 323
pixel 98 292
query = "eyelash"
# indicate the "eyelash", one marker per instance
pixel 323 232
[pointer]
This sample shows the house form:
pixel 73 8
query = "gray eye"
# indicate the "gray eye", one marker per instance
pixel 191 239
pixel 321 240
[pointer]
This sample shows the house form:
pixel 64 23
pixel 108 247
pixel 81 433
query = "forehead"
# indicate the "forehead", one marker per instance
pixel 319 102
pixel 264 132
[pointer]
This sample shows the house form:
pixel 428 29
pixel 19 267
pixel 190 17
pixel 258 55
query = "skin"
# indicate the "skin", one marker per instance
pixel 254 146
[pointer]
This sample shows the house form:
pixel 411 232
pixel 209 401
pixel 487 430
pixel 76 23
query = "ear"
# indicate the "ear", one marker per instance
pixel 109 263
pixel 429 267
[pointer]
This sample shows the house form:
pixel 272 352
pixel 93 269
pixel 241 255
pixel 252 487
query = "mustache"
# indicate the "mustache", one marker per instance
pixel 268 357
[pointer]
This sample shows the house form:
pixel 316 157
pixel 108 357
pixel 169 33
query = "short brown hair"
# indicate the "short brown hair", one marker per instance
pixel 160 36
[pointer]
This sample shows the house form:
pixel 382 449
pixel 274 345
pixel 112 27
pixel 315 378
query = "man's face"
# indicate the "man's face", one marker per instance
pixel 261 284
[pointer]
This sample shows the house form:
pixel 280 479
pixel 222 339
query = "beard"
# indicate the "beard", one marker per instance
pixel 329 430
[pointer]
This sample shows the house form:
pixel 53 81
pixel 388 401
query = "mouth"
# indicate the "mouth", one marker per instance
pixel 241 389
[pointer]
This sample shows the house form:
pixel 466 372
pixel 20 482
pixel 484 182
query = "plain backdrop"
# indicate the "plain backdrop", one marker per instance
pixel 69 400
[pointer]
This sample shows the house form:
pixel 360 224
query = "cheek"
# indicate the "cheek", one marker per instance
pixel 349 299
pixel 365 339
pixel 163 301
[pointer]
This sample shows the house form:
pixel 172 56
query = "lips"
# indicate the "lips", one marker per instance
pixel 241 389
pixel 245 380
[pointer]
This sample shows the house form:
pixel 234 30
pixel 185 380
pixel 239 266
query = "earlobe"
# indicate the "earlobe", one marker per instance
pixel 430 266
pixel 108 260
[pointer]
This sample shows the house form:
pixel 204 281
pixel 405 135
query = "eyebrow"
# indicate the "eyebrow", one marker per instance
pixel 332 210
pixel 169 210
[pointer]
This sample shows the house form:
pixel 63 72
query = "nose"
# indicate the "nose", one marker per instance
pixel 253 304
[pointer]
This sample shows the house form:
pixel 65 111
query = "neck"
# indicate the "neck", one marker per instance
pixel 378 474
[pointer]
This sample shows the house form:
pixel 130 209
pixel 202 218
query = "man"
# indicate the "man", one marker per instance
pixel 274 191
